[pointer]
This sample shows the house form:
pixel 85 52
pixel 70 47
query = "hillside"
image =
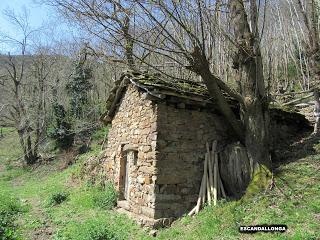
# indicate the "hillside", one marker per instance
pixel 51 202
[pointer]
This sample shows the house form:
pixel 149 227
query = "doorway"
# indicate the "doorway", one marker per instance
pixel 126 162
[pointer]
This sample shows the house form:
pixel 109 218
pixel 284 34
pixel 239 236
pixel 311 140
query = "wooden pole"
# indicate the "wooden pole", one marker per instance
pixel 208 192
pixel 209 181
pixel 192 211
pixel 218 178
pixel 223 192
pixel 210 170
pixel 205 173
pixel 207 157
pixel 199 197
pixel 214 147
pixel 224 195
pixel 218 184
pixel 210 178
pixel 215 179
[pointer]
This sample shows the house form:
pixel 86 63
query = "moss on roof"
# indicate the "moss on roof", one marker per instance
pixel 156 84
pixel 161 82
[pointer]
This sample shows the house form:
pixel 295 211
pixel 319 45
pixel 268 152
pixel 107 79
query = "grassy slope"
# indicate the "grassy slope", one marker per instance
pixel 294 201
pixel 34 187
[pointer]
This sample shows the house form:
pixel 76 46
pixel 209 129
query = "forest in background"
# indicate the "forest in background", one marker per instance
pixel 116 34
pixel 53 90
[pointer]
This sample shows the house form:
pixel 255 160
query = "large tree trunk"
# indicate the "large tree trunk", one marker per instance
pixel 23 126
pixel 255 108
pixel 256 116
pixel 253 129
pixel 256 119
pixel 29 155
pixel 200 65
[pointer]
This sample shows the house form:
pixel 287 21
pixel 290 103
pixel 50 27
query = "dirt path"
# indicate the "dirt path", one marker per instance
pixel 46 230
pixel 35 223
pixel 36 215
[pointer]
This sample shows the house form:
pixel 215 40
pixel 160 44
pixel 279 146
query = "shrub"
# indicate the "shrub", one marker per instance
pixel 9 203
pixel 100 133
pixel 57 198
pixel 7 226
pixel 97 228
pixel 9 208
pixel 78 88
pixel 106 197
pixel 62 132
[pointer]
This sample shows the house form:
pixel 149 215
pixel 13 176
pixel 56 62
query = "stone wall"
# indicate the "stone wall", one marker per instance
pixel 134 129
pixel 181 146
pixel 164 144
pixel 165 147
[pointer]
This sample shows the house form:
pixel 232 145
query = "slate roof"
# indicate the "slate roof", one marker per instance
pixel 159 87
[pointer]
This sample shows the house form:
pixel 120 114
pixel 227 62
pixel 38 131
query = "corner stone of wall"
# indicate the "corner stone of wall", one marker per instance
pixel 134 126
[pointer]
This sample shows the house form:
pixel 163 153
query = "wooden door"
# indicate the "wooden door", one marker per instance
pixel 126 177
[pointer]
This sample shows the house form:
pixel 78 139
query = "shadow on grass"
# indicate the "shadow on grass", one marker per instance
pixel 295 148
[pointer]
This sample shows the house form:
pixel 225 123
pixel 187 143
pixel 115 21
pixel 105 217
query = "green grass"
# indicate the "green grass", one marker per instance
pixel 39 188
pixel 10 149
pixel 101 133
pixel 86 214
pixel 10 209
pixel 294 202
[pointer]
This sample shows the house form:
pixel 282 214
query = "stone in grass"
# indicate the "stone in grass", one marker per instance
pixel 153 233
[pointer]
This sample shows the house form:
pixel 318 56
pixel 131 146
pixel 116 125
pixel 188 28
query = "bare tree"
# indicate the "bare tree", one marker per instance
pixel 24 79
pixel 107 20
pixel 185 32
pixel 193 22
pixel 310 12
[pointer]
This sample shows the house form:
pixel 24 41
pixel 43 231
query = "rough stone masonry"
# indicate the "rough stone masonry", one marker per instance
pixel 155 154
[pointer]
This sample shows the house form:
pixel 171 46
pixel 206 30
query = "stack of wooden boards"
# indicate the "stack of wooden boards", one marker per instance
pixel 211 188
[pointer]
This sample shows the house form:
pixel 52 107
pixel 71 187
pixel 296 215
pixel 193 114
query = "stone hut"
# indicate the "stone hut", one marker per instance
pixel 156 145
pixel 157 142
